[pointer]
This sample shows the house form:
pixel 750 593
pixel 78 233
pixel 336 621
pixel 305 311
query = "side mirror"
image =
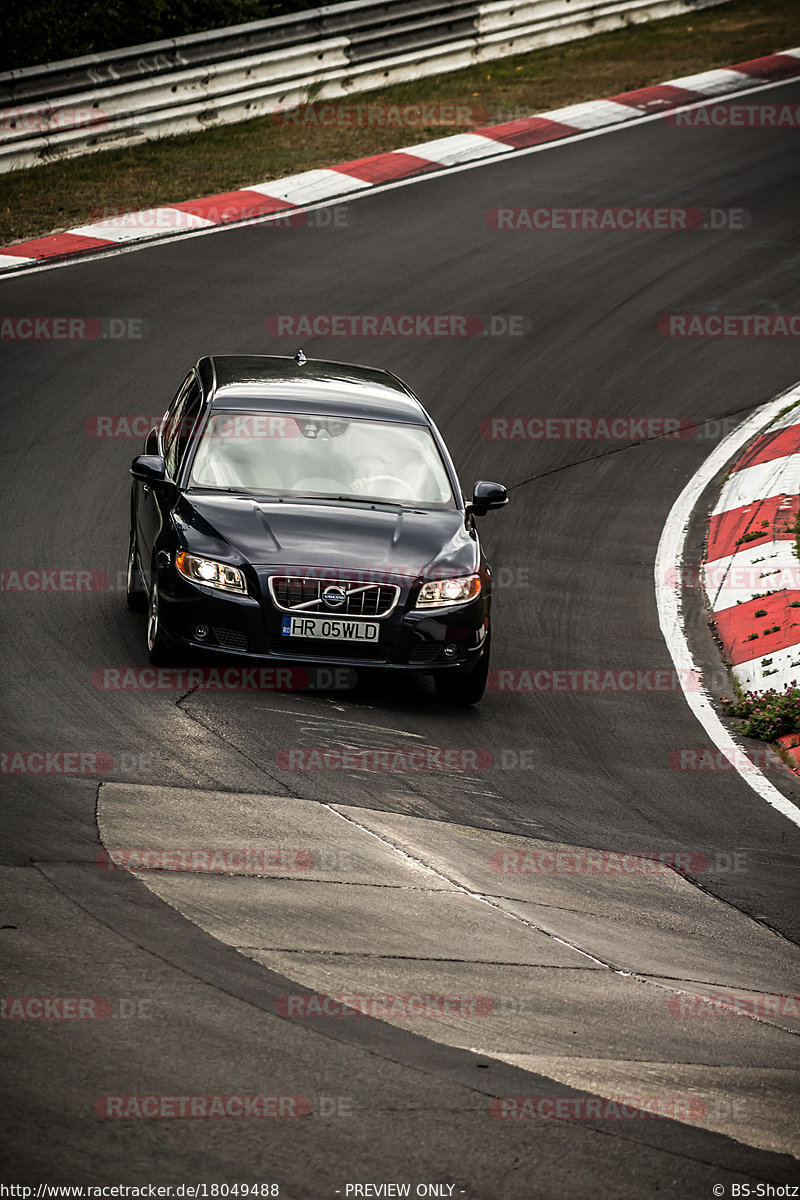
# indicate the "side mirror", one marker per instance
pixel 149 468
pixel 487 495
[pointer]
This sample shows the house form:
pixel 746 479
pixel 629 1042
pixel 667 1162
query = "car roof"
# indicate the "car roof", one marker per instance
pixel 258 381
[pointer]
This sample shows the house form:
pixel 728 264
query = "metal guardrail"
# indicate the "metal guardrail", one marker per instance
pixel 182 85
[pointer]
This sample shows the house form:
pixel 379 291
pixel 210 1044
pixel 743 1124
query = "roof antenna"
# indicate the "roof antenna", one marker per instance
pixel 299 358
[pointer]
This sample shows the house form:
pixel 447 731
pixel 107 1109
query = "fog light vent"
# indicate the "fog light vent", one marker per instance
pixel 231 639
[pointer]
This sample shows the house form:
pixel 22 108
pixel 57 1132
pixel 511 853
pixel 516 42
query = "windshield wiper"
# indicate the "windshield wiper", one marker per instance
pixel 292 498
pixel 361 500
pixel 207 487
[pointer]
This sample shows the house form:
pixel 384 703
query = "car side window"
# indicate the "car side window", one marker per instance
pixel 180 423
pixel 177 402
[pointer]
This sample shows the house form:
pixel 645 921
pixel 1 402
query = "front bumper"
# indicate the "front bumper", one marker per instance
pixel 197 618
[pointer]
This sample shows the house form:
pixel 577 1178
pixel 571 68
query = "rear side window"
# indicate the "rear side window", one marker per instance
pixel 180 424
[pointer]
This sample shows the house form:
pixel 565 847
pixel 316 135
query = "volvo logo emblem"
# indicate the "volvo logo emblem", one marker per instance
pixel 334 597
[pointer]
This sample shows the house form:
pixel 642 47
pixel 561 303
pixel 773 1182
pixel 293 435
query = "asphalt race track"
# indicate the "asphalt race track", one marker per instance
pixel 573 556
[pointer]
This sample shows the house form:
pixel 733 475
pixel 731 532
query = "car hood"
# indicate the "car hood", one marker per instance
pixel 269 534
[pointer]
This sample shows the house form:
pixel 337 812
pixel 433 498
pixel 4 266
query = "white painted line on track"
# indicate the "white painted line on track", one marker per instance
pixel 503 154
pixel 669 558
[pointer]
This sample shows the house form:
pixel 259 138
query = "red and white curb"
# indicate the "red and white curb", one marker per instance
pixel 767 422
pixel 751 572
pixel 311 187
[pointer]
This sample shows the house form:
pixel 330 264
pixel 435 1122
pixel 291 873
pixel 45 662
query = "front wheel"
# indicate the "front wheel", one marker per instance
pixel 454 688
pixel 157 648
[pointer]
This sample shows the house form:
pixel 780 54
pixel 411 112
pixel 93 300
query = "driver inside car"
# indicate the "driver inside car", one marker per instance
pixel 387 466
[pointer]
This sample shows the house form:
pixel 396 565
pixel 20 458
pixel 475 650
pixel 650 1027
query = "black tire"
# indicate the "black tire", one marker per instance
pixel 134 592
pixel 158 649
pixel 454 688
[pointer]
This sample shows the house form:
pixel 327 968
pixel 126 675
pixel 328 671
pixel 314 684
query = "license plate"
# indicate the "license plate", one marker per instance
pixel 329 629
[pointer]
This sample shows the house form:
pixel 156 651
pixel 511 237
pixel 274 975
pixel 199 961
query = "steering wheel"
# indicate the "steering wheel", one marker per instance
pixel 410 494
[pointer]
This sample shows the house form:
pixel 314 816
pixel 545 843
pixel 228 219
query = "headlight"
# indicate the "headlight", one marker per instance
pixel 440 593
pixel 212 574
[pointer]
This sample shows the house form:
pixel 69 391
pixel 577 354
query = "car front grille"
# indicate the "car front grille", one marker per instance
pixel 305 593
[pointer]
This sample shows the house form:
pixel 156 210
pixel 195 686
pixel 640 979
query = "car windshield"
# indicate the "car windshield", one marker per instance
pixel 320 456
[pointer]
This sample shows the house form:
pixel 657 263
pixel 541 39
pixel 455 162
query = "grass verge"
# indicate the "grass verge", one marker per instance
pixel 46 199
